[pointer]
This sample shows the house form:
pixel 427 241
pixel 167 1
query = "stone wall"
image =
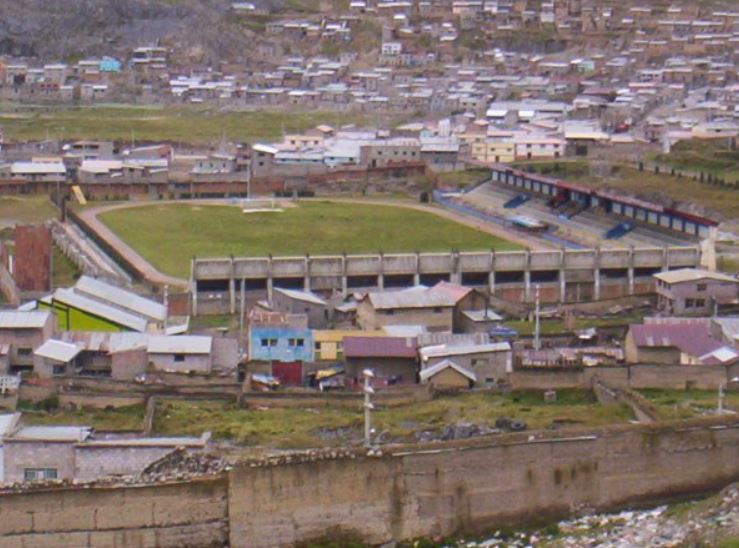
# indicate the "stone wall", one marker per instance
pixel 177 515
pixel 448 490
pixel 436 489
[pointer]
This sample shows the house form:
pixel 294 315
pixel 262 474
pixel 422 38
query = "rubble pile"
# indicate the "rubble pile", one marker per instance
pixel 183 464
pixel 465 430
pixel 298 457
pixel 702 523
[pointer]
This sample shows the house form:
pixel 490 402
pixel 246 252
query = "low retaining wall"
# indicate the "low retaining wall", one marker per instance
pixel 637 376
pixel 452 490
pixel 182 514
pixel 421 490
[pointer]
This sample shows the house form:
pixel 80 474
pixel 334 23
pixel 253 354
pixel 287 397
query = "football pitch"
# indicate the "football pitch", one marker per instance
pixel 169 235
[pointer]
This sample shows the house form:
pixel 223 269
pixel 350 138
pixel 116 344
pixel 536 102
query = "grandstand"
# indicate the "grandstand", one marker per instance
pixel 575 222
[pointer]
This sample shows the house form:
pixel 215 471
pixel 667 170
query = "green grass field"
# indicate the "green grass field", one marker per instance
pixel 168 235
pixel 25 209
pixel 299 428
pixel 182 124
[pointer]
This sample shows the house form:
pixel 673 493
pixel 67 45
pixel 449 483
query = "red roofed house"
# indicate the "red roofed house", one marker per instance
pixel 393 358
pixel 676 341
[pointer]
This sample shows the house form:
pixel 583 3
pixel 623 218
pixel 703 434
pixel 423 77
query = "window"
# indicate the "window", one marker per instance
pixel 39 474
pixel 701 287
pixel 389 312
pixel 689 303
pixel 296 343
pixel 700 303
pixel 269 342
pixel 438 310
pixel 59 370
pixel 25 351
pixel 179 357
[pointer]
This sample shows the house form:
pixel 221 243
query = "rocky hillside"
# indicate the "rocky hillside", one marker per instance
pixel 200 30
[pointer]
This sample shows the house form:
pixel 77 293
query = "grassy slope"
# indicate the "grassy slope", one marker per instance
pixel 168 235
pixel 190 125
pixel 292 428
pixel 685 404
pixel 647 184
pixel 122 418
pixel 25 209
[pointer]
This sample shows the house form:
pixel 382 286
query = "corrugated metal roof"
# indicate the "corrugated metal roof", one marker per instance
pixel 121 298
pixel 306 296
pixel 380 347
pixel 183 344
pixel 96 308
pixel 13 319
pixel 412 298
pixel 692 275
pixel 52 433
pixel 429 372
pixel 58 350
pixel 690 336
pixel 461 349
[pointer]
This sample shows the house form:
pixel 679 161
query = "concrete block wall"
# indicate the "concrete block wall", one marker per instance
pixel 95 462
pixel 446 490
pixel 179 515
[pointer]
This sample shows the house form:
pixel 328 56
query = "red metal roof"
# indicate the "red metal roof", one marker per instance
pixel 380 347
pixel 690 336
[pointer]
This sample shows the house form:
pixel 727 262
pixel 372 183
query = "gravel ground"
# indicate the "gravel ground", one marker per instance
pixel 710 522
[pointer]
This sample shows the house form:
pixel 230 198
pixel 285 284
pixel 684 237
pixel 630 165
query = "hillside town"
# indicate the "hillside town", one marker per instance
pixel 479 256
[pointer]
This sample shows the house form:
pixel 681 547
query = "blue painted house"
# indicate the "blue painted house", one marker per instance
pixel 280 343
pixel 108 64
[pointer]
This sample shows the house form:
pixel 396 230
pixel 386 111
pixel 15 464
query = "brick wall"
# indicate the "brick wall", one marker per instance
pixel 32 266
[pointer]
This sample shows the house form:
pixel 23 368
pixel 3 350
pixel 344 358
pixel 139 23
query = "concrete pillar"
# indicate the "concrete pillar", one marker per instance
pixel 455 276
pixel 491 282
pixel 417 273
pixel 562 285
pixel 527 285
pixel 630 274
pixel 270 285
pixel 344 281
pixel 665 260
pixel 596 286
pixel 381 274
pixel 193 288
pixel 232 294
pixel 306 274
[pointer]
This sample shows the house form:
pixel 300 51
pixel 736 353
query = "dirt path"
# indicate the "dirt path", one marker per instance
pixel 155 277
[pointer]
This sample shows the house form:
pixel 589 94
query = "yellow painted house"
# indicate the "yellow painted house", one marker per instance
pixel 328 344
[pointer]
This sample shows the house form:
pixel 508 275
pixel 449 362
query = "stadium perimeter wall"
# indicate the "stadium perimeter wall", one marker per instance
pixel 439 489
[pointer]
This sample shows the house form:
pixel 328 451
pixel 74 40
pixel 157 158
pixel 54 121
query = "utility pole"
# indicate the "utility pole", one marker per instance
pixel 368 407
pixel 537 342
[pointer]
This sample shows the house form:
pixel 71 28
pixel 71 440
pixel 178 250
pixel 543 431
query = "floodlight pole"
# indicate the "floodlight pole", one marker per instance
pixel 368 391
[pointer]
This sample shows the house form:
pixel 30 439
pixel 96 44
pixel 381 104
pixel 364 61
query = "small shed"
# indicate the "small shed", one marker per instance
pixel 448 375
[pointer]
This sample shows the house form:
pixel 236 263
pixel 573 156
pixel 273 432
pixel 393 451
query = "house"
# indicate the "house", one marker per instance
pixel 448 375
pixel 491 363
pixel 123 356
pixel 21 334
pixel 279 338
pixel 292 301
pixel 691 291
pixel 181 354
pixel 392 359
pixel 328 344
pixel 676 341
pixel 414 306
pixel 94 305
pixel 76 453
